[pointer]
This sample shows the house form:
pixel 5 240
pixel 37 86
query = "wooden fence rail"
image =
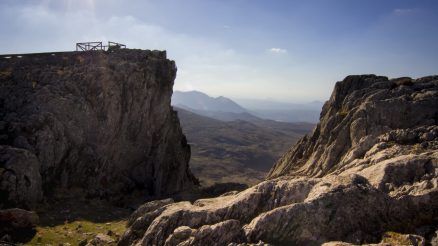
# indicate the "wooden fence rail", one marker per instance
pixel 98 46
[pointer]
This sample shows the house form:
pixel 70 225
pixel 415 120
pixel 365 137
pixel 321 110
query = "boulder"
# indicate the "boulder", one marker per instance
pixel 101 239
pixel 17 225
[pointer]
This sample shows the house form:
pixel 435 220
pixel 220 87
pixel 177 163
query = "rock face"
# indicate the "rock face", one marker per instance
pixel 369 167
pixel 361 110
pixel 94 123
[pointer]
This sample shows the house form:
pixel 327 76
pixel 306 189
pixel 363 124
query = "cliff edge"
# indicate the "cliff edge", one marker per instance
pixel 91 124
pixel 370 167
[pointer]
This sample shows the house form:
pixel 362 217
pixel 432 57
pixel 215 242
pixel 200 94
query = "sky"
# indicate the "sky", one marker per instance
pixel 283 50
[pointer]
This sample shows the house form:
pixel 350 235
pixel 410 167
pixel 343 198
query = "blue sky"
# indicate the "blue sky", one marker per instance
pixel 284 50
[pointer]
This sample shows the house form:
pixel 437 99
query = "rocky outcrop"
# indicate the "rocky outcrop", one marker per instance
pixel 360 110
pixel 369 167
pixel 93 123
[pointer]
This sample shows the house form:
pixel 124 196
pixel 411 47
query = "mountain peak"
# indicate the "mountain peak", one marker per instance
pixel 197 100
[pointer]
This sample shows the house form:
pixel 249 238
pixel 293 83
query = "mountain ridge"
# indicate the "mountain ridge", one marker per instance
pixel 201 101
pixel 226 109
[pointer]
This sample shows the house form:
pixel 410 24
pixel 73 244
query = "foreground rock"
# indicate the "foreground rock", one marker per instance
pixel 100 239
pixel 93 123
pixel 17 225
pixel 369 167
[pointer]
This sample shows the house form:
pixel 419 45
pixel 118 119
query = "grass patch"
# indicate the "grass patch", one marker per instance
pixel 70 221
pixel 417 149
pixel 77 231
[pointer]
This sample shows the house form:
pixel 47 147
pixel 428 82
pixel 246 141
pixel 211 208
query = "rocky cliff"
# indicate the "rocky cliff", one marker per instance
pixel 364 111
pixel 369 167
pixel 89 123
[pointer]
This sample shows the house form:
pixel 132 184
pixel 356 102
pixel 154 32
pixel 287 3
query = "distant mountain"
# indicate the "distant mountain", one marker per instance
pixel 221 115
pixel 225 109
pixel 236 151
pixel 268 104
pixel 196 100
pixel 285 126
pixel 283 111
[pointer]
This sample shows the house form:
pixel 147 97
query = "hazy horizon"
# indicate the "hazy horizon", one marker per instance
pixel 288 51
pixel 266 99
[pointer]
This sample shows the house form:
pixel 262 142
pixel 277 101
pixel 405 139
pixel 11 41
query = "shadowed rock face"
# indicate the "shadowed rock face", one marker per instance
pixel 17 225
pixel 369 167
pixel 98 123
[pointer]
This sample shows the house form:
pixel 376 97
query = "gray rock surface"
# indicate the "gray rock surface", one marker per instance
pixel 100 239
pixel 369 167
pixel 89 123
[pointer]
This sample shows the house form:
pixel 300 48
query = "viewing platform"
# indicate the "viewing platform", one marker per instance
pixel 86 46
pixel 66 58
pixel 80 47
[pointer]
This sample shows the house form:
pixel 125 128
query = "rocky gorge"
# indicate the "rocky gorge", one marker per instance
pixel 99 125
pixel 368 173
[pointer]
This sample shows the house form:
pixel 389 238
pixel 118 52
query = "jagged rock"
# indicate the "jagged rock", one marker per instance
pixel 97 122
pixel 361 109
pixel 159 224
pixel 147 208
pixel 226 231
pixel 100 239
pixel 17 225
pixel 369 167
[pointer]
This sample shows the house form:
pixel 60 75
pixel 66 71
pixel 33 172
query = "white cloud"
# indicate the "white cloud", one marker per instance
pixel 277 50
pixel 204 64
pixel 403 11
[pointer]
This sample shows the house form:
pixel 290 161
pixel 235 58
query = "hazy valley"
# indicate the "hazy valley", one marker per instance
pixel 229 144
pixel 226 109
pixel 235 151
